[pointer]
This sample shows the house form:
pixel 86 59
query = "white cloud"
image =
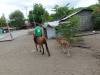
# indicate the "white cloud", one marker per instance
pixel 86 3
pixel 6 9
pixel 8 6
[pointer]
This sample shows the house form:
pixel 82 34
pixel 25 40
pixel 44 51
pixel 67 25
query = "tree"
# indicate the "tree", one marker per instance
pixel 96 16
pixel 2 21
pixel 17 19
pixel 38 14
pixel 60 12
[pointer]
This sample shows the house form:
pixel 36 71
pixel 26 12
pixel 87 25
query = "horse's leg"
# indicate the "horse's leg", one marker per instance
pixel 40 48
pixel 43 50
pixel 68 50
pixel 35 41
pixel 64 48
pixel 47 48
pixel 36 47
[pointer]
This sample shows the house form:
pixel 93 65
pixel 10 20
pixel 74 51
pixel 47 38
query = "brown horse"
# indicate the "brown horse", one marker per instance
pixel 42 41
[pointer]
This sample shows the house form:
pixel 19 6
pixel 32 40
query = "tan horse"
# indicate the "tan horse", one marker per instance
pixel 63 44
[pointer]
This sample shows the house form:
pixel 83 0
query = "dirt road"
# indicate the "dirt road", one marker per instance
pixel 17 58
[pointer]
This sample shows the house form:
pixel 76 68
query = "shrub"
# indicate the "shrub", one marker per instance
pixel 69 29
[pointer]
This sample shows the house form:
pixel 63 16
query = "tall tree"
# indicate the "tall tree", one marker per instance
pixel 17 19
pixel 2 21
pixel 38 14
pixel 60 12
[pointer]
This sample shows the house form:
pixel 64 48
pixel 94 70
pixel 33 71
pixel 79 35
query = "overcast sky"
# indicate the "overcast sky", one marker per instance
pixel 8 6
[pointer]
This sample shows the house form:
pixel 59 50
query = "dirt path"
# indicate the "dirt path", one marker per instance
pixel 17 58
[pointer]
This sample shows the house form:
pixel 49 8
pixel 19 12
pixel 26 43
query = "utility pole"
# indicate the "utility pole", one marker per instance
pixel 26 8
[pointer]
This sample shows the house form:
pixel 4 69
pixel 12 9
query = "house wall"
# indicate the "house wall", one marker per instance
pixel 1 31
pixel 51 32
pixel 85 20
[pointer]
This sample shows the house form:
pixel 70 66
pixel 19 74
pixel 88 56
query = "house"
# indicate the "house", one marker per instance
pixel 50 27
pixel 85 19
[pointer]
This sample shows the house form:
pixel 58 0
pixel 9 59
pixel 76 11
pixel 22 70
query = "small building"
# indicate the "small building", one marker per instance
pixel 5 29
pixel 50 27
pixel 85 19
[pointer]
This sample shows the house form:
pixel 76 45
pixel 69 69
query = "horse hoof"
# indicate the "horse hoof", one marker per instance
pixel 34 51
pixel 68 54
pixel 42 53
pixel 49 55
pixel 65 52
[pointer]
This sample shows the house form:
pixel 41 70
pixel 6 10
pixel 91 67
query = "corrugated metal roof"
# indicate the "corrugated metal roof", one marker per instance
pixel 56 23
pixel 74 14
pixel 52 24
pixel 70 15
